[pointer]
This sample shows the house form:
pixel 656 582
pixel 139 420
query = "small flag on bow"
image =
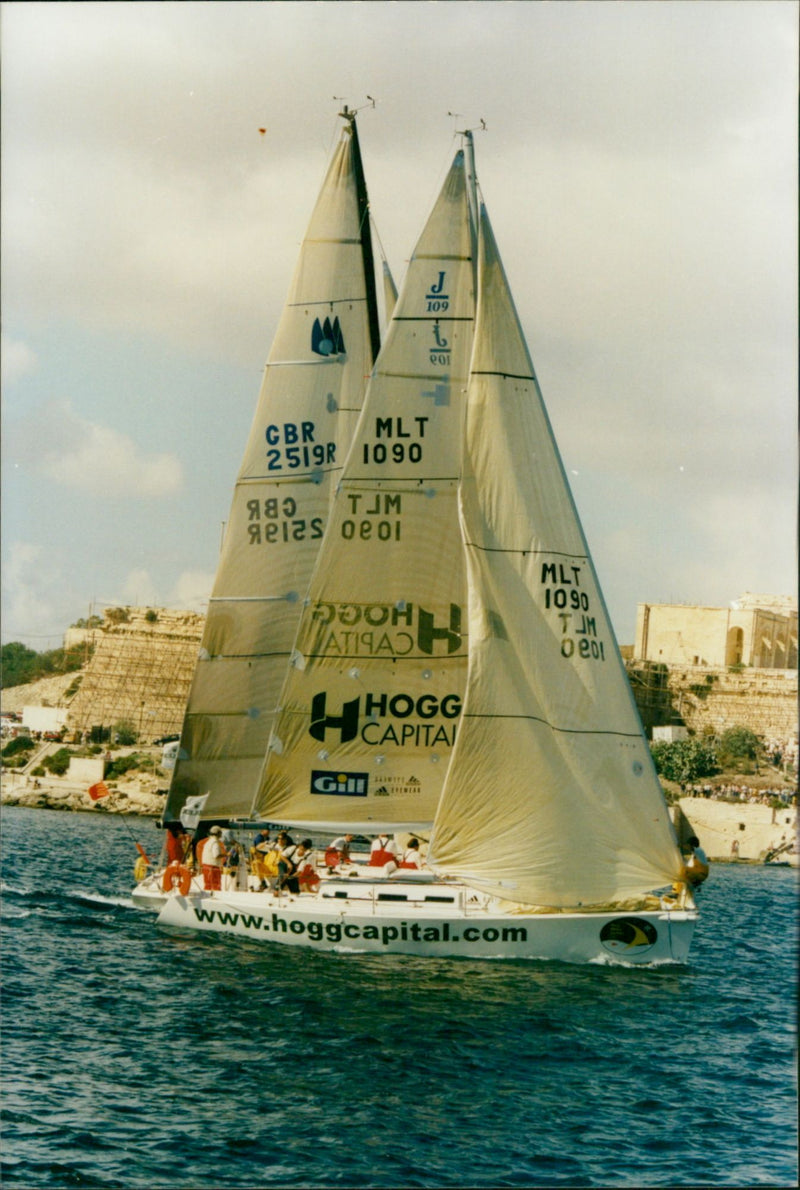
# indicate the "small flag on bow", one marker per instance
pixel 99 790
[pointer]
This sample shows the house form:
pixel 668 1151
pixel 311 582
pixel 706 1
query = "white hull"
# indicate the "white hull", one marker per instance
pixel 436 920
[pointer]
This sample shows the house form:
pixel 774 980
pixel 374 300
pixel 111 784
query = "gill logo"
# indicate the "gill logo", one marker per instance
pixel 339 784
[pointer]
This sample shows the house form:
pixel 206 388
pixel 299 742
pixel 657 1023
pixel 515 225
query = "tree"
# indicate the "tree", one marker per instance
pixel 125 733
pixel 684 760
pixel 22 665
pixel 740 743
pixel 18 663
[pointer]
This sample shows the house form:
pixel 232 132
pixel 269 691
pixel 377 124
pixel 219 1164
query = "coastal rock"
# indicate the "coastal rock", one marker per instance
pixel 138 796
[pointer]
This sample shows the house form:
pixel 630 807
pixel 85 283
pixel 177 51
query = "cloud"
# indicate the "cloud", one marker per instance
pixel 17 359
pixel 62 447
pixel 32 597
pixel 139 590
pixel 192 590
pixel 189 593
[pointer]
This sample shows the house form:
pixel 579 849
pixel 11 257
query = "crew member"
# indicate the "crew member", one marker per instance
pixel 213 859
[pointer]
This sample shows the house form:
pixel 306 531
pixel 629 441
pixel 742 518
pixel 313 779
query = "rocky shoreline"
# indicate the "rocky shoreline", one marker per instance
pixel 137 795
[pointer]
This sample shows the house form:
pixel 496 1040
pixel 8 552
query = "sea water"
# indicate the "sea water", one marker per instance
pixel 136 1057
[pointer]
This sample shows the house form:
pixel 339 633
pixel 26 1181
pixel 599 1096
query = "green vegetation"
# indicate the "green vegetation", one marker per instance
pixel 16 752
pixel 118 615
pixel 21 665
pixel 684 760
pixel 125 733
pixel 702 689
pixel 58 762
pixel 737 751
pixel 739 743
pixel 91 622
pixel 20 743
pixel 151 616
pixel 124 764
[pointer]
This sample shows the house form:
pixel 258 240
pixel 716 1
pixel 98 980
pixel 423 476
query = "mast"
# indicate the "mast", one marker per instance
pixel 366 236
pixel 472 180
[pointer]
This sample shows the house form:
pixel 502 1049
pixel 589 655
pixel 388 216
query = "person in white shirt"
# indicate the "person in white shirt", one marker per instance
pixel 383 853
pixel 411 856
pixel 213 859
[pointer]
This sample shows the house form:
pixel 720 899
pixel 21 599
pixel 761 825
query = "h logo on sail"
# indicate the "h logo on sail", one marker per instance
pixel 327 338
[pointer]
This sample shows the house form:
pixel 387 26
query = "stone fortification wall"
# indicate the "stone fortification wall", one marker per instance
pixel 141 671
pixel 731 831
pixel 710 700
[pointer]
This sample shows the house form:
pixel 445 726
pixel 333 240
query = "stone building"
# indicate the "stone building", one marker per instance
pixel 759 631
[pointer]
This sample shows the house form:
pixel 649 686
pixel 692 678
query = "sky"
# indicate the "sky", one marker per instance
pixel 639 168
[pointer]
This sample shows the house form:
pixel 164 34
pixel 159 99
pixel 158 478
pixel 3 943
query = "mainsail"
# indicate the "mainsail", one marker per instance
pixel 308 406
pixel 551 797
pixel 369 711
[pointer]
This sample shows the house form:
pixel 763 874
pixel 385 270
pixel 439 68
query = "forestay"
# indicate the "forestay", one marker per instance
pixel 307 409
pixel 371 704
pixel 551 797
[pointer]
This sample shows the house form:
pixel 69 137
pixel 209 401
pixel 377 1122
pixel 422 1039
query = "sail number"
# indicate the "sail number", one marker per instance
pixel 274 520
pixel 376 519
pixel 392 443
pixel 292 445
pixel 565 596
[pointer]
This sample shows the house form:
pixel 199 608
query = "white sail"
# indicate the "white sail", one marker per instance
pixel 551 797
pixel 371 704
pixel 307 410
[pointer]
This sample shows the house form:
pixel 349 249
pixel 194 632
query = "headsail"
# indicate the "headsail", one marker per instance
pixel 307 410
pixel 551 797
pixel 370 707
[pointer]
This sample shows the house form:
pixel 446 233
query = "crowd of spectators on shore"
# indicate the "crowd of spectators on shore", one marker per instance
pixel 741 793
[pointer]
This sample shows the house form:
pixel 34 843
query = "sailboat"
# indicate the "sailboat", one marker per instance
pixel 454 673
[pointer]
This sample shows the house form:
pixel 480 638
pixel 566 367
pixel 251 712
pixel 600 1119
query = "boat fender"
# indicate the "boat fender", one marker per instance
pixel 177 875
pixel 140 869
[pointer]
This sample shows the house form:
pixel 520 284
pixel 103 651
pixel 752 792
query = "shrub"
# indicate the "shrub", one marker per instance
pixel 683 760
pixel 58 762
pixel 151 616
pixel 20 743
pixel 739 743
pixel 125 733
pixel 124 764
